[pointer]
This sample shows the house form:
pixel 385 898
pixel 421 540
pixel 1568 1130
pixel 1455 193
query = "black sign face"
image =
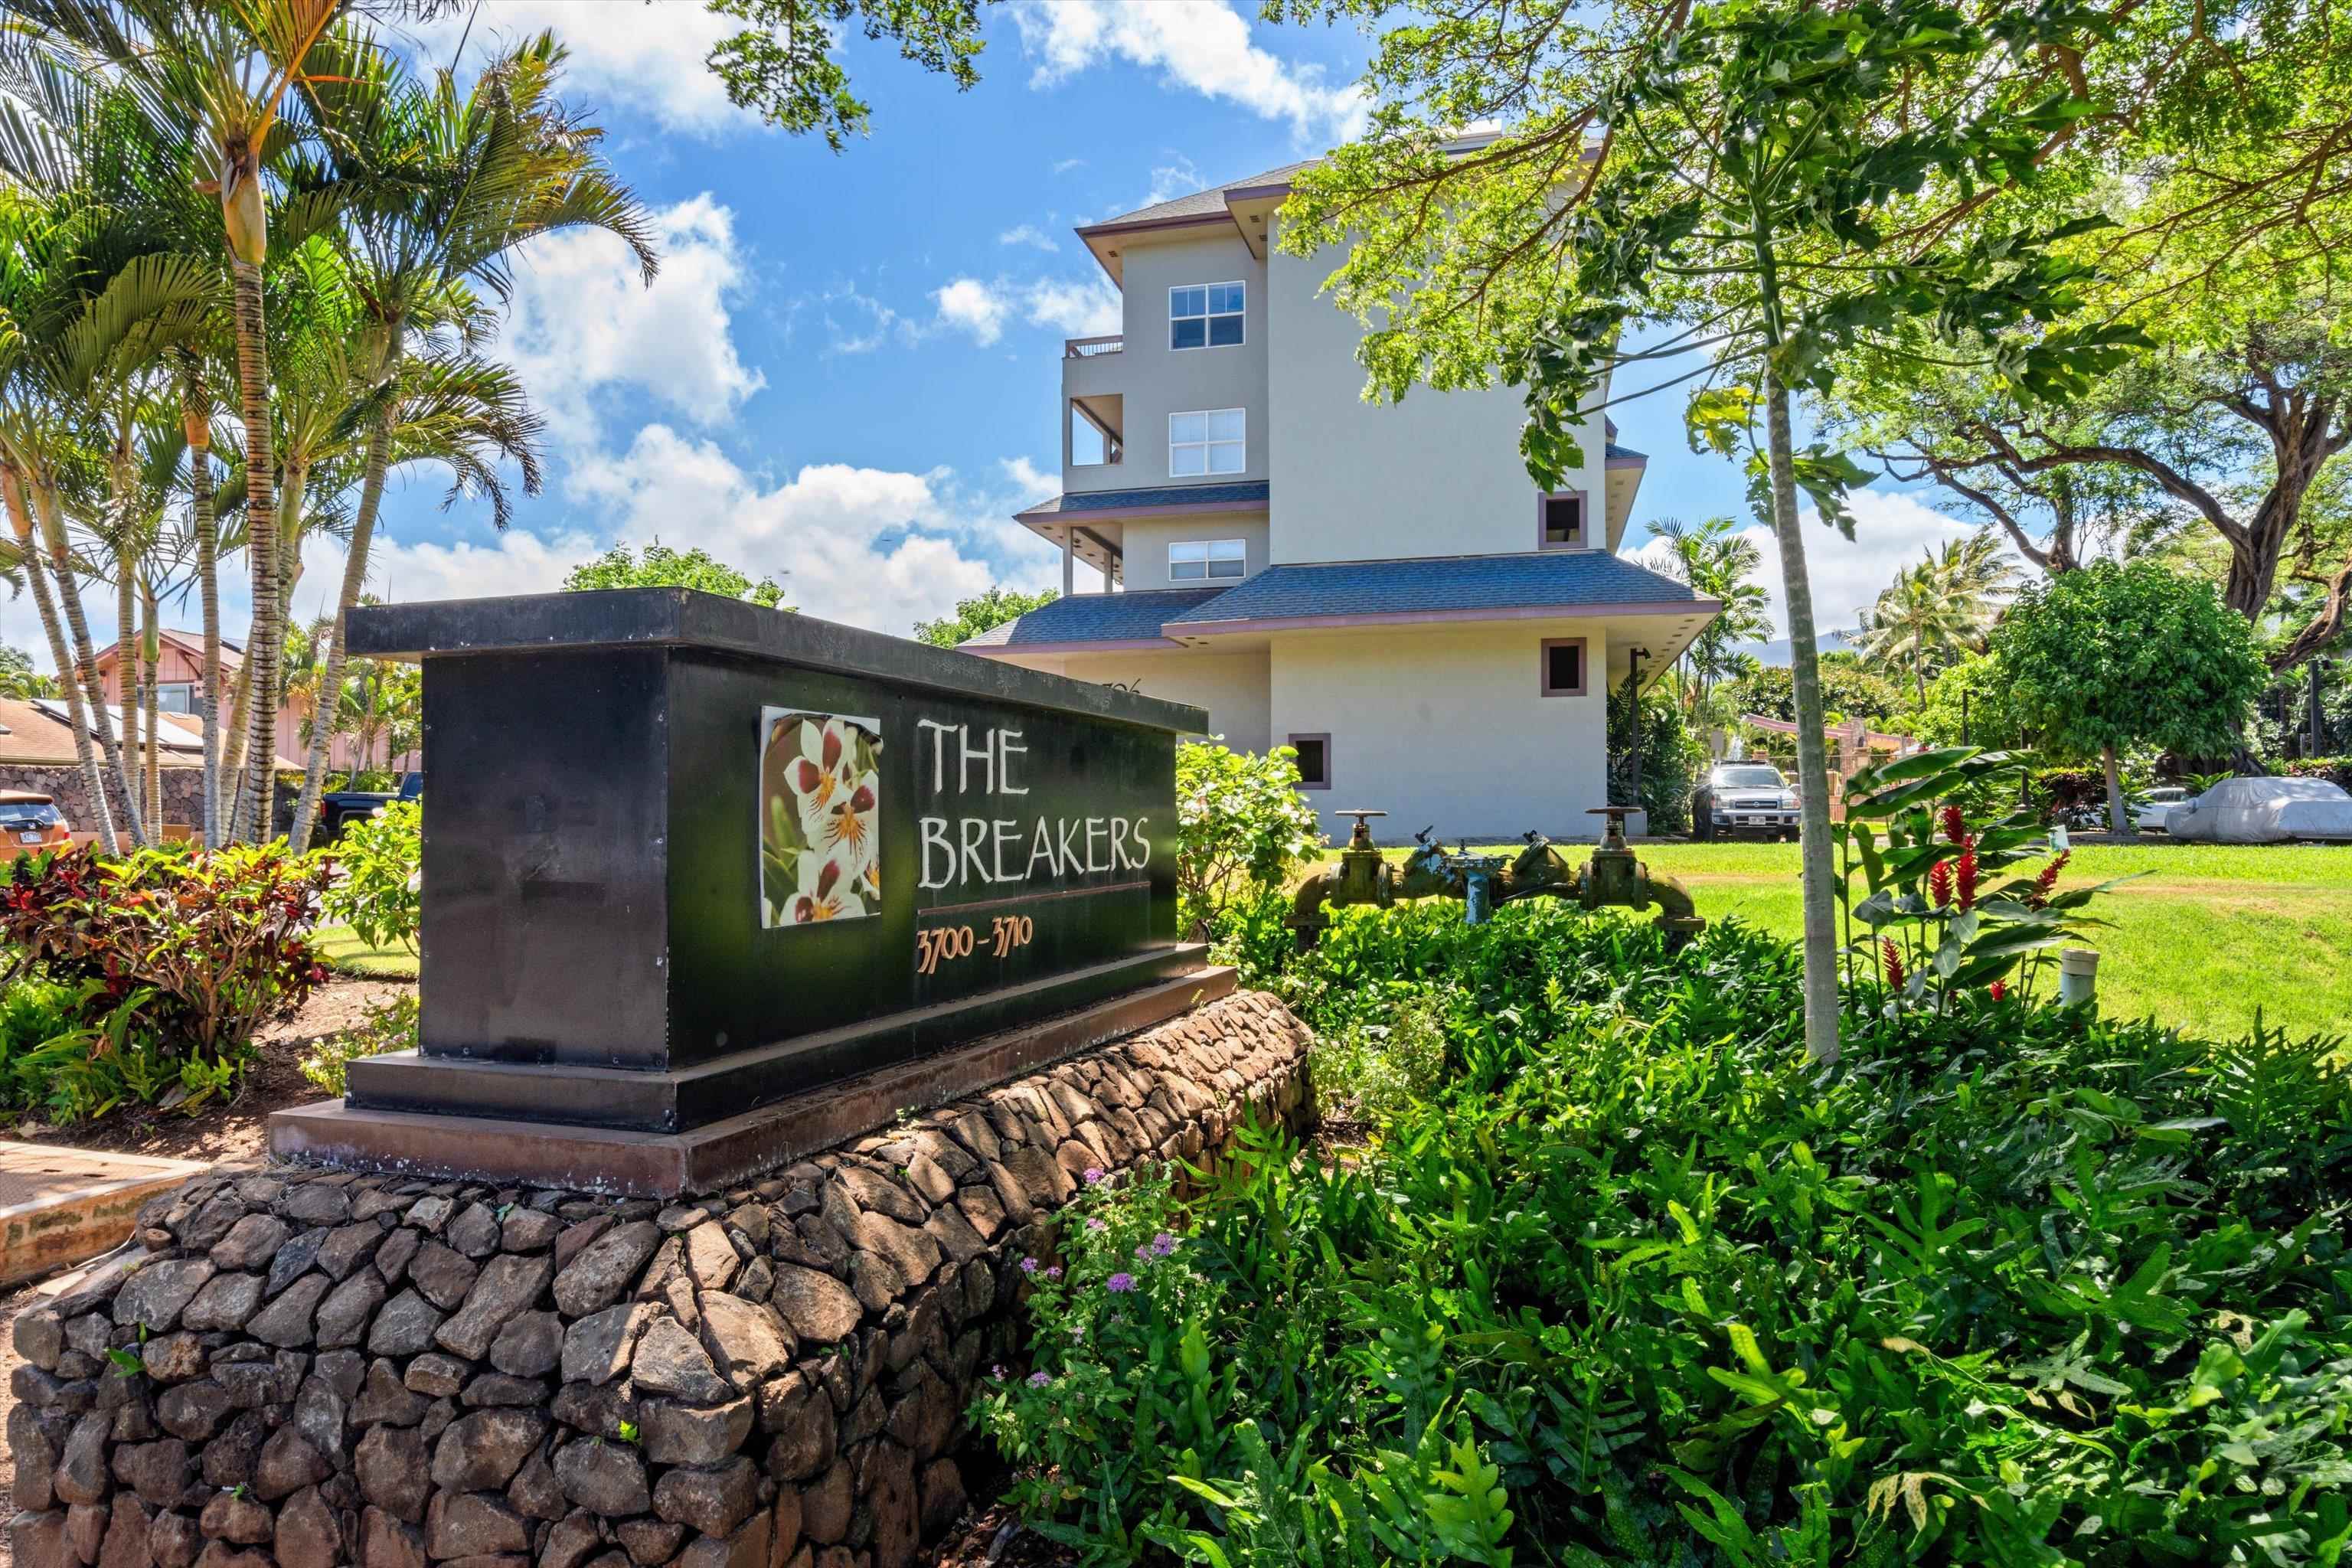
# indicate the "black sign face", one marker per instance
pixel 746 860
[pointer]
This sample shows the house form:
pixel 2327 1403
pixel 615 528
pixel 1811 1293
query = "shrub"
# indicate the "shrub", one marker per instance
pixel 378 889
pixel 1380 1072
pixel 386 1025
pixel 1241 827
pixel 172 958
pixel 1637 1283
pixel 1672 758
pixel 2336 770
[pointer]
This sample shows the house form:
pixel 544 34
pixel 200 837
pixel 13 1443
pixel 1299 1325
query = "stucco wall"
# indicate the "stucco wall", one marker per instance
pixel 1147 538
pixel 1446 727
pixel 1438 474
pixel 1156 381
pixel 1230 686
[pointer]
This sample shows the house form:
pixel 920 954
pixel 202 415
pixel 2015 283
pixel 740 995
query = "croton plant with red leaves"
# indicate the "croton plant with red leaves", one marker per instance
pixel 204 945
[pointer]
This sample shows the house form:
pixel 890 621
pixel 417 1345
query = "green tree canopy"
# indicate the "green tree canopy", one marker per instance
pixel 784 64
pixel 973 616
pixel 2114 656
pixel 661 567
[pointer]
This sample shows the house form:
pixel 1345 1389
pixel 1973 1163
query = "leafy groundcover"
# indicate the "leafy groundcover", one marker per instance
pixel 1635 1284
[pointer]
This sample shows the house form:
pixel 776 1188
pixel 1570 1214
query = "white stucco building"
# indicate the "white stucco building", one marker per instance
pixel 1379 585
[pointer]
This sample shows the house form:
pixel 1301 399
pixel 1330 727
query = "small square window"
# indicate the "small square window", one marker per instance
pixel 1562 666
pixel 1314 760
pixel 1206 315
pixel 1208 442
pixel 1560 520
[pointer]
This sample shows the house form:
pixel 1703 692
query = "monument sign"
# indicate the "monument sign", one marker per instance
pixel 685 857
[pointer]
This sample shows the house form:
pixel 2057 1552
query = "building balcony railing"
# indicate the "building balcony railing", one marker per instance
pixel 1092 348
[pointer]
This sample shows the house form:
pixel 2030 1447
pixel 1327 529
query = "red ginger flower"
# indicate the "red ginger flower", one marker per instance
pixel 1967 878
pixel 1894 961
pixel 1956 826
pixel 2049 877
pixel 1939 883
pixel 1998 989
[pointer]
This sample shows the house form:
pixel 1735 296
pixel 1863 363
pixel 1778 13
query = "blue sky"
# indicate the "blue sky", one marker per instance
pixel 847 372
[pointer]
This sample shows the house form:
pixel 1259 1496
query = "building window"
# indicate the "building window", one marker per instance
pixel 1208 442
pixel 1560 521
pixel 1314 761
pixel 175 696
pixel 1200 560
pixel 1206 316
pixel 1563 667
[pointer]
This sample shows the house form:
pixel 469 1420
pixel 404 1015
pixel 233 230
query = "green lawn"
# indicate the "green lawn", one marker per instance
pixel 2205 936
pixel 344 950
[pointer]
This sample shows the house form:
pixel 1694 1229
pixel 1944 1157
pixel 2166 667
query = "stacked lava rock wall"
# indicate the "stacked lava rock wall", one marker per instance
pixel 315 1367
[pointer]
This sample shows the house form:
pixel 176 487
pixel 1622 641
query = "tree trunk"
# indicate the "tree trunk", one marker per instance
pixel 2119 821
pixel 197 425
pixel 1812 757
pixel 150 650
pixel 85 670
pixel 232 750
pixel 128 648
pixel 261 653
pixel 330 678
pixel 20 521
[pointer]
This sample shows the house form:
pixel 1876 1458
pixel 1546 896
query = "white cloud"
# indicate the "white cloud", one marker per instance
pixel 1169 181
pixel 515 562
pixel 583 321
pixel 868 546
pixel 859 323
pixel 981 309
pixel 1028 234
pixel 1891 530
pixel 1028 479
pixel 1086 310
pixel 1204 46
pixel 646 56
pixel 1064 165
pixel 973 307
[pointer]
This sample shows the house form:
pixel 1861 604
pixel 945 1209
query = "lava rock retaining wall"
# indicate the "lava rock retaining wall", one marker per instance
pixel 311 1367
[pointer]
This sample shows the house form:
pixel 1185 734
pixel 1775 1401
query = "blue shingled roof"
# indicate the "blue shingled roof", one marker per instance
pixel 1096 617
pixel 1564 579
pixel 1157 495
pixel 1615 452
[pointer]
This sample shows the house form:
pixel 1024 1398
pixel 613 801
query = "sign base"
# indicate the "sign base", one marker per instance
pixel 721 1154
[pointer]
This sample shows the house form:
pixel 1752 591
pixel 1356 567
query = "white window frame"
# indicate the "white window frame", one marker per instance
pixel 1207 445
pixel 1207 317
pixel 1212 554
pixel 187 686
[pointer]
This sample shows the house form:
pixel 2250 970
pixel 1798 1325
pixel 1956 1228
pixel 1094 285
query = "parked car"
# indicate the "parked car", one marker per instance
pixel 1744 797
pixel 2265 811
pixel 2150 815
pixel 30 820
pixel 339 808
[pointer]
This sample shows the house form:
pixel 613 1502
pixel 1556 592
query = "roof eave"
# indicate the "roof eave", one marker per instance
pixel 1578 612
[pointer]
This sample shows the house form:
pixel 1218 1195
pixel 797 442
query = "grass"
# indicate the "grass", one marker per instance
pixel 2207 935
pixel 342 948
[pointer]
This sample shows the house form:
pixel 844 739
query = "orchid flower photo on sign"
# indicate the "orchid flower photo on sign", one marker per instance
pixel 820 818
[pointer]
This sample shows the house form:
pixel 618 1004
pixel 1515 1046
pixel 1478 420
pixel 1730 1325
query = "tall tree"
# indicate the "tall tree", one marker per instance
pixel 659 566
pixel 2114 656
pixel 973 616
pixel 1718 565
pixel 1777 181
pixel 445 187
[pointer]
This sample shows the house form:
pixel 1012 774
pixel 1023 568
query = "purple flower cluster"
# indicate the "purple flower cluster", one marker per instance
pixel 1028 1265
pixel 1094 1175
pixel 1039 1380
pixel 1120 1284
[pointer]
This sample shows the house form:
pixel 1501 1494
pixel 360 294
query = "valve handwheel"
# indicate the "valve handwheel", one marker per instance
pixel 1361 838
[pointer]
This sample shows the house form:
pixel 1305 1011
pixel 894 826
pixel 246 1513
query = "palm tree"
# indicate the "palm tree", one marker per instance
pixel 1938 609
pixel 1717 562
pixel 447 185
pixel 218 76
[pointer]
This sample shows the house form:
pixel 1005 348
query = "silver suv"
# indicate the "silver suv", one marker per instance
pixel 1744 797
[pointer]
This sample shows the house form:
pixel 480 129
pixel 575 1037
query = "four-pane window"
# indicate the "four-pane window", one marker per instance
pixel 1208 442
pixel 1205 315
pixel 1199 560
